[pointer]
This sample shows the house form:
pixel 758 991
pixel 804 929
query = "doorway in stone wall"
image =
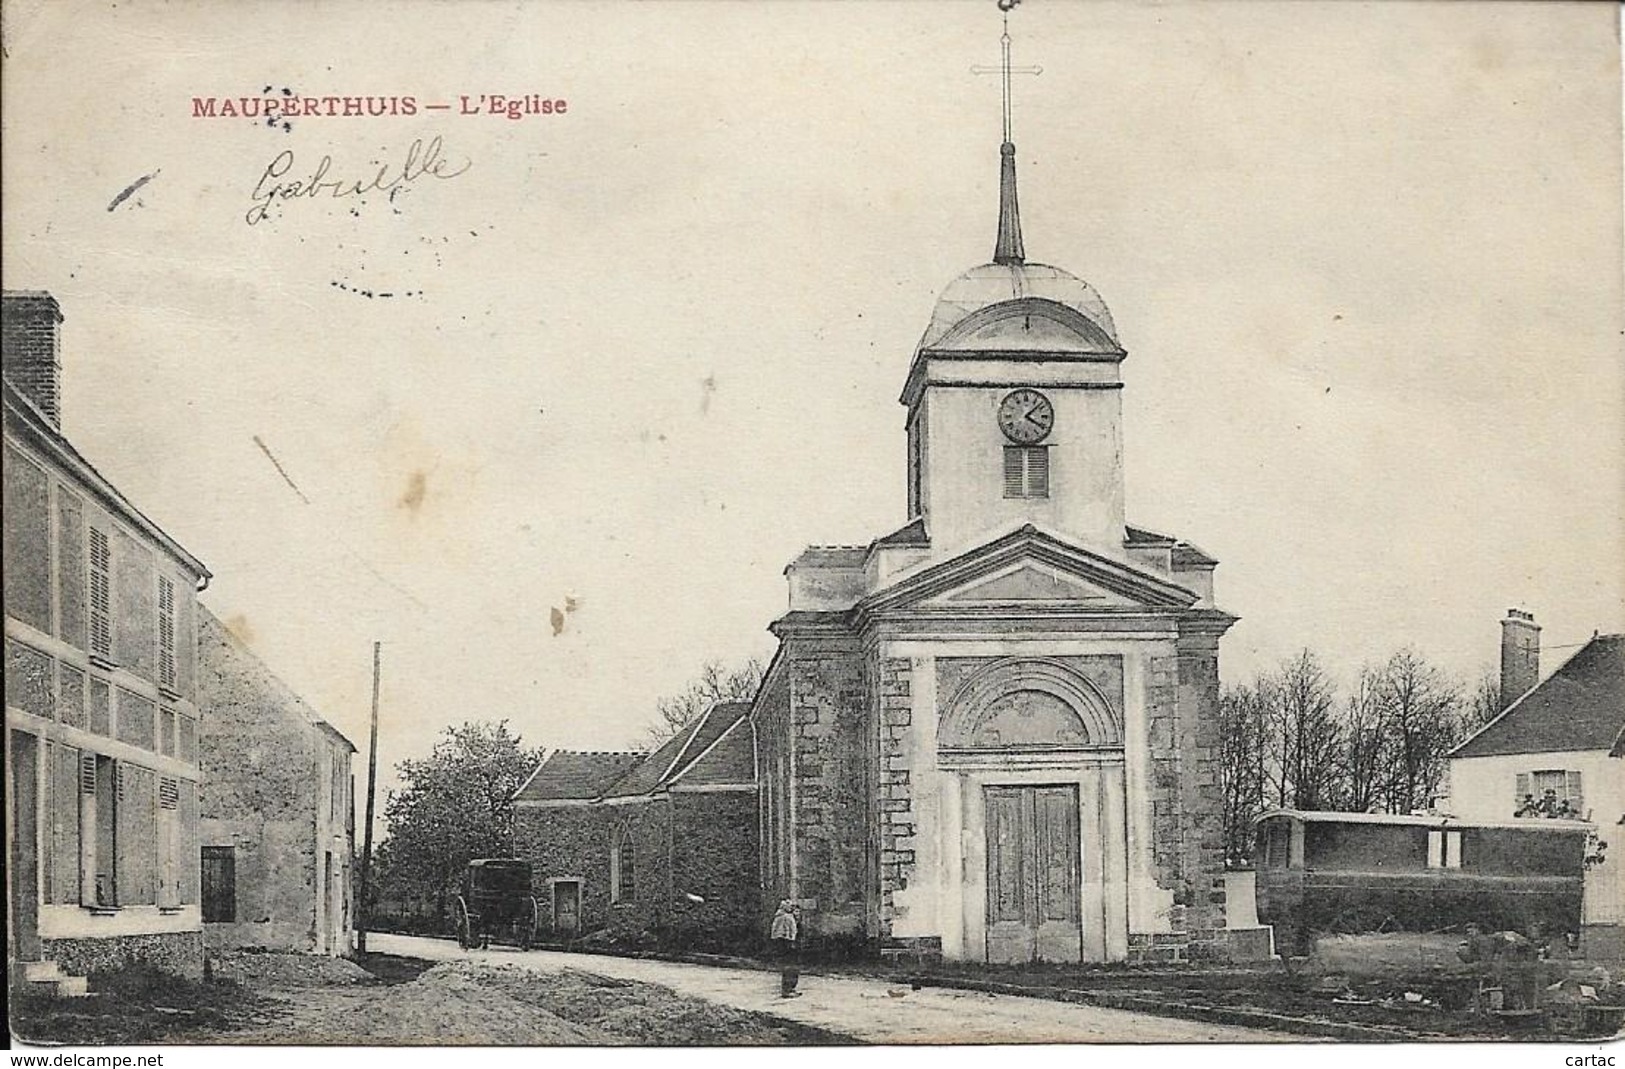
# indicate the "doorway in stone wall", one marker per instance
pixel 1033 874
pixel 567 908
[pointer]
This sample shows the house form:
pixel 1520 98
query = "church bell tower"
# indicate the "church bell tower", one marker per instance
pixel 1014 397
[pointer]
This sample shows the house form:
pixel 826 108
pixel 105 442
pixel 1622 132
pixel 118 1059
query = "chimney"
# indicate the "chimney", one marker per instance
pixel 31 327
pixel 1520 655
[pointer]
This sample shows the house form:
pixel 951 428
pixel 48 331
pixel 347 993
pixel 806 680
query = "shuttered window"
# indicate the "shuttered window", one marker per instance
pixel 1551 793
pixel 166 633
pixel 101 584
pixel 1026 471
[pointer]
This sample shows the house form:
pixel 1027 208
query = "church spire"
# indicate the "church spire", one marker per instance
pixel 1007 249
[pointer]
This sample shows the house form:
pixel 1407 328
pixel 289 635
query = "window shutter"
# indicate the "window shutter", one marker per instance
pixel 1520 791
pixel 87 773
pixel 1038 472
pixel 120 777
pixel 101 609
pixel 166 632
pixel 169 793
pixel 1576 798
pixel 1013 480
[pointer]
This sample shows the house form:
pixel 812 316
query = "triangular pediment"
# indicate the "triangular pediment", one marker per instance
pixel 1030 582
pixel 1032 570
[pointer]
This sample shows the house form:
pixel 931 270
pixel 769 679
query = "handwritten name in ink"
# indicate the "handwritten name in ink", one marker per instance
pixel 421 160
pixel 275 107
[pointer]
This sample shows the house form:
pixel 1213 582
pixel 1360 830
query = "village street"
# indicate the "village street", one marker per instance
pixel 865 1010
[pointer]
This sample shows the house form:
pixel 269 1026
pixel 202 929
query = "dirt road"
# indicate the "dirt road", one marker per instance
pixel 868 1010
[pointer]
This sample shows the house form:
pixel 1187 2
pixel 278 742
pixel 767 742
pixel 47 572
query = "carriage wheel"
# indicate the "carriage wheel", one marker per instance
pixel 459 914
pixel 528 919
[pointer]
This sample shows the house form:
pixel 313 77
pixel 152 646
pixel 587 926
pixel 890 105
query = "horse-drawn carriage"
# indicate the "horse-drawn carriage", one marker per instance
pixel 496 903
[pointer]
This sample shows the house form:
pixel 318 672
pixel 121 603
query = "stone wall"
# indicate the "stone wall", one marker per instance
pixel 714 856
pixel 180 953
pixel 894 817
pixel 831 790
pixel 260 794
pixel 1182 710
pixel 771 720
pixel 574 842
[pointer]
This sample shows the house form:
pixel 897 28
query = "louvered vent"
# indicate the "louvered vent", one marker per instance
pixel 169 793
pixel 87 774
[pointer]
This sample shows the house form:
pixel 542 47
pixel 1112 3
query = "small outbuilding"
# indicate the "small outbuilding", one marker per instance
pixel 660 845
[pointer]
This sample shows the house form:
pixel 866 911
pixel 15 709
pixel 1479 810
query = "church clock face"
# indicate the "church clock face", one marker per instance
pixel 1026 416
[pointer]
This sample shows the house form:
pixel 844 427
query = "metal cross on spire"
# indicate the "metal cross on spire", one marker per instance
pixel 1007 248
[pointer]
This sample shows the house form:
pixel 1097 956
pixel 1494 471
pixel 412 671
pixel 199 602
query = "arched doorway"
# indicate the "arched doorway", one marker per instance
pixel 1037 754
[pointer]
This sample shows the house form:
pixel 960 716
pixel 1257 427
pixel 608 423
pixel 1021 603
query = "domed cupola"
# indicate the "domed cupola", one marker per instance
pixel 1014 397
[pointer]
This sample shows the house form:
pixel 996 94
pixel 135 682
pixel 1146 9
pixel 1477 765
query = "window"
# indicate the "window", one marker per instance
pixel 1026 471
pixel 166 633
pixel 101 607
pixel 98 788
pixel 219 884
pixel 1444 849
pixel 1552 793
pixel 622 887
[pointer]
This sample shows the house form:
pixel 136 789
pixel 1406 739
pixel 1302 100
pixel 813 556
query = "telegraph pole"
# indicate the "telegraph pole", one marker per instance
pixel 365 910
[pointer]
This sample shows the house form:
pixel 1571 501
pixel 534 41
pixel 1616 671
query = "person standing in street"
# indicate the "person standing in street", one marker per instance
pixel 783 936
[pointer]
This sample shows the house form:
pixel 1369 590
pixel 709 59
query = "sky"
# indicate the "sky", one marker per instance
pixel 1366 260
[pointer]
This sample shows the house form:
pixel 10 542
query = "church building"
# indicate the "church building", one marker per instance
pixel 992 734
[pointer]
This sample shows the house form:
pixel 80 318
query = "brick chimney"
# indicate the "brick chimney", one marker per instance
pixel 1520 655
pixel 32 331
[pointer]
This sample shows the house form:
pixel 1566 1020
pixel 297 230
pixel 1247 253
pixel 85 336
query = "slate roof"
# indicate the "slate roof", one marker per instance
pixel 731 760
pixel 1581 706
pixel 715 749
pixel 577 775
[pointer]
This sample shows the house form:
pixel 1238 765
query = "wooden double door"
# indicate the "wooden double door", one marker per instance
pixel 1033 874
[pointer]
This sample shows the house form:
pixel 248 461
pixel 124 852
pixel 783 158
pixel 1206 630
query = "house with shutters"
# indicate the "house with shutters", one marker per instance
pixel 102 707
pixel 1557 753
pixel 277 813
pixel 663 843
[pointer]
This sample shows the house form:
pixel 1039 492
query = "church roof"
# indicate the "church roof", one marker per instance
pixel 1581 706
pixel 576 775
pixel 712 750
pixel 999 283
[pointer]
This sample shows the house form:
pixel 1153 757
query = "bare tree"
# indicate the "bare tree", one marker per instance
pixel 1365 747
pixel 1485 702
pixel 1422 711
pixel 716 683
pixel 1243 715
pixel 1304 739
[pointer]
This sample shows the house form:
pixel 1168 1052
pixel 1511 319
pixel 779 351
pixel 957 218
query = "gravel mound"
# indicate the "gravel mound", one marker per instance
pixel 268 969
pixel 445 1006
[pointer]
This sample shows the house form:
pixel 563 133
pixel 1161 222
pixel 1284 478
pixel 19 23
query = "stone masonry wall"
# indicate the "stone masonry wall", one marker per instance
pixel 574 841
pixel 894 798
pixel 257 748
pixel 714 857
pixel 828 714
pixel 180 953
pixel 1182 700
pixel 1202 834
